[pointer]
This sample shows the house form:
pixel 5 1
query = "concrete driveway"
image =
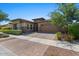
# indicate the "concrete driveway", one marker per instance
pixel 24 47
pixel 32 46
pixel 18 47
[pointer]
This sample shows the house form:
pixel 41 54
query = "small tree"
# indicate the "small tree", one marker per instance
pixel 64 15
pixel 3 16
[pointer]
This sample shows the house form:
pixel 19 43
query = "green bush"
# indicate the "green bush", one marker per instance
pixel 14 32
pixel 5 28
pixel 59 35
pixel 73 29
pixel 4 35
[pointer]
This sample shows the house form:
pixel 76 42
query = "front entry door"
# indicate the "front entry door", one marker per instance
pixel 35 27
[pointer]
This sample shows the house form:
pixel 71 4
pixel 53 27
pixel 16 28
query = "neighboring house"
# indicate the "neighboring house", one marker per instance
pixel 38 25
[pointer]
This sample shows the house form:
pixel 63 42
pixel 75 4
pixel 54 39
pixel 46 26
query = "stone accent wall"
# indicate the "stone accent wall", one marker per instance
pixel 47 27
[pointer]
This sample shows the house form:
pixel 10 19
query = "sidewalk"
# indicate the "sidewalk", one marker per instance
pixel 61 44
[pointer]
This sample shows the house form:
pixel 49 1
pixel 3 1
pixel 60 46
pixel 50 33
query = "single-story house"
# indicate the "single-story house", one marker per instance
pixel 37 25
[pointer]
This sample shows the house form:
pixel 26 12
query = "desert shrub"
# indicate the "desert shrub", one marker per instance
pixel 73 29
pixel 14 32
pixel 68 37
pixel 59 35
pixel 65 37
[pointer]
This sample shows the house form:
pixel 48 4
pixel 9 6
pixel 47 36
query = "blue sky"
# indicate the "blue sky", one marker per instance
pixel 28 10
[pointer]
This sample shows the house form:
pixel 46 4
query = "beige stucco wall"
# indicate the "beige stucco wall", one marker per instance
pixel 22 25
pixel 25 24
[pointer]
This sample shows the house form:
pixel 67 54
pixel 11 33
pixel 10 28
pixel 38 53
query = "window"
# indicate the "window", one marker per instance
pixel 27 26
pixel 31 26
